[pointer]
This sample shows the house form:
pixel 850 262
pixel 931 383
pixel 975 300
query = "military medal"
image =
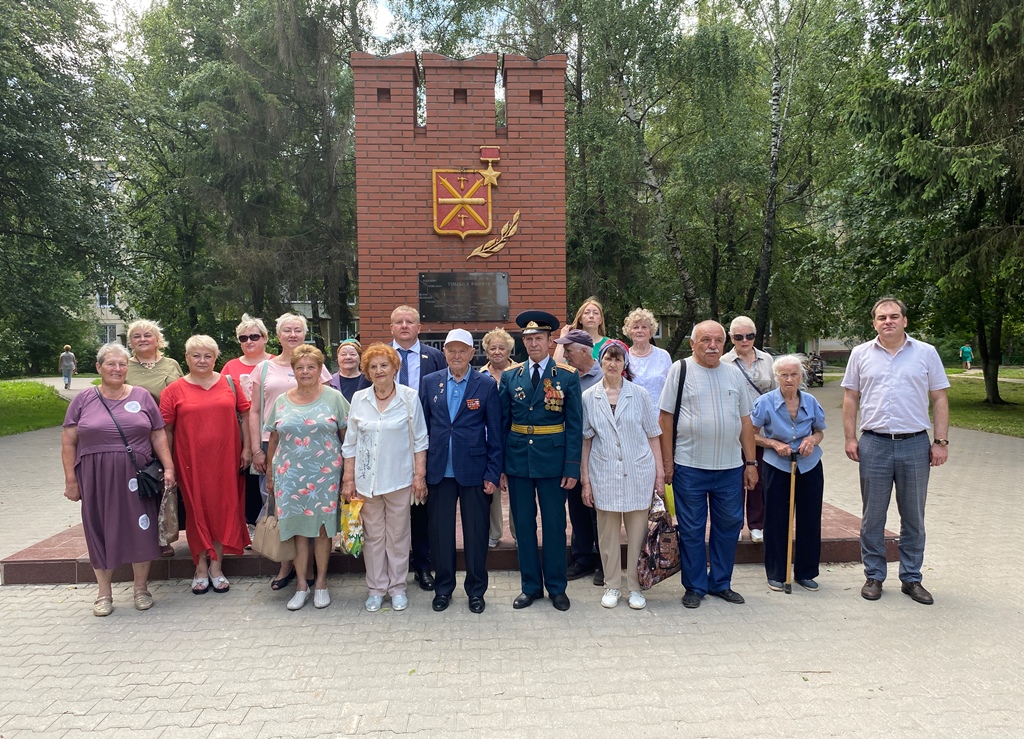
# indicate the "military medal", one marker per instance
pixel 554 398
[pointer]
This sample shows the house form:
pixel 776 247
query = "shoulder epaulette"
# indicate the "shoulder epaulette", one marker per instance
pixel 566 367
pixel 513 366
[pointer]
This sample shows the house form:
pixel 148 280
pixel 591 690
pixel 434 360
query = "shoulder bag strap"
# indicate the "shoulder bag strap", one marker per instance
pixel 739 364
pixel 679 401
pixel 127 446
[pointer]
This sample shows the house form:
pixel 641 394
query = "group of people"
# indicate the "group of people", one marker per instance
pixel 416 433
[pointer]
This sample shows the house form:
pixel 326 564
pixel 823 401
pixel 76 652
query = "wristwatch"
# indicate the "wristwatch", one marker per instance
pixel 941 442
pixel 751 463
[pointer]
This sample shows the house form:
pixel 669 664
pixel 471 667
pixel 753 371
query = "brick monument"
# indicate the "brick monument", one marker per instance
pixel 459 210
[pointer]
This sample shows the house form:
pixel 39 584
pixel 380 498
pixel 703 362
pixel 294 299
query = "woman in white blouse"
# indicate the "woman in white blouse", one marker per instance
pixel 385 453
pixel 621 468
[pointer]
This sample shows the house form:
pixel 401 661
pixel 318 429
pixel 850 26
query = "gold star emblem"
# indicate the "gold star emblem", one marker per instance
pixel 490 175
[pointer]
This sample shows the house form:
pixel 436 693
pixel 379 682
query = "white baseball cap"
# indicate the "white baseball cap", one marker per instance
pixel 459 336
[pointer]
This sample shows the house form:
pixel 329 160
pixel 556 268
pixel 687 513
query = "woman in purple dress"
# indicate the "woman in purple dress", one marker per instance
pixel 120 527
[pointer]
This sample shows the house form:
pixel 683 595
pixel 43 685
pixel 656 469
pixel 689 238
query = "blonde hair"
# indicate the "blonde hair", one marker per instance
pixel 639 315
pixel 592 300
pixel 248 322
pixel 201 341
pixel 742 321
pixel 498 334
pixel 144 324
pixel 113 346
pixel 405 309
pixel 302 351
pixel 291 318
pixel 375 351
pixel 67 347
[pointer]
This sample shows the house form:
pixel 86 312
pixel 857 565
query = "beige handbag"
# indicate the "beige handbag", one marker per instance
pixel 267 539
pixel 167 519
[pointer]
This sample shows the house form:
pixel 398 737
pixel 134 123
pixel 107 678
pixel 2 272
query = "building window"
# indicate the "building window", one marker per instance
pixel 108 333
pixel 103 298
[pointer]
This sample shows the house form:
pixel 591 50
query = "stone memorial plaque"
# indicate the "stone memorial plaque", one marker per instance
pixel 461 297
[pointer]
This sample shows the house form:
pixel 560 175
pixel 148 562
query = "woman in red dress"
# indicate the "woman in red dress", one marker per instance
pixel 209 457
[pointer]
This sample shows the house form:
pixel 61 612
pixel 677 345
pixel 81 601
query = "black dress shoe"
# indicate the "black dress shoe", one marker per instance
pixel 729 596
pixel 476 604
pixel 691 599
pixel 440 602
pixel 560 601
pixel 425 578
pixel 599 577
pixel 575 571
pixel 525 600
pixel 917 593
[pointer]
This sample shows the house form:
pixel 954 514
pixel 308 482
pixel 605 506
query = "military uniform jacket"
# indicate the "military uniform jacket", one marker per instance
pixel 556 400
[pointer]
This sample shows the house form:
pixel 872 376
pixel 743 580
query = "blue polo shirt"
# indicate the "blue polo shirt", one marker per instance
pixel 456 390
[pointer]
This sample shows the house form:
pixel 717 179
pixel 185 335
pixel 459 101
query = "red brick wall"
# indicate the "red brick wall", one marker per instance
pixel 394 163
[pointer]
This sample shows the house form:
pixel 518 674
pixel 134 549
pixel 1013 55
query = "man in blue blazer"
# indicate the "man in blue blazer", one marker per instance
pixel 418 360
pixel 463 466
pixel 542 418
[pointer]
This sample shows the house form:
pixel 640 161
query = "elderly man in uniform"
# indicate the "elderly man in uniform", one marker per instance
pixel 891 380
pixel 463 466
pixel 542 416
pixel 579 352
pixel 418 361
pixel 713 460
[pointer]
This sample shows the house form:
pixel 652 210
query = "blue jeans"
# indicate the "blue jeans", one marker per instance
pixel 906 464
pixel 697 491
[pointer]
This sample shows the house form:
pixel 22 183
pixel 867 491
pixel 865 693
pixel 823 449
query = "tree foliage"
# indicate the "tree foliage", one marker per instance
pixel 58 224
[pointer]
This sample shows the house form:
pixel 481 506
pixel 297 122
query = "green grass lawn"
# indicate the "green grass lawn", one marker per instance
pixel 1011 373
pixel 968 410
pixel 27 406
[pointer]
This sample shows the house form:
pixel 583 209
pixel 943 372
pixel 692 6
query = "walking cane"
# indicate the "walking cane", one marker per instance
pixel 789 530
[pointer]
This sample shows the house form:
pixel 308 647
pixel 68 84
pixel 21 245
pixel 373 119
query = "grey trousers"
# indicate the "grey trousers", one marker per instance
pixel 906 464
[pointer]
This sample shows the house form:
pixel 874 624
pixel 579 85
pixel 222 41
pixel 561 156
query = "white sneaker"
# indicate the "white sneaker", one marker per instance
pixel 321 598
pixel 637 600
pixel 611 598
pixel 492 543
pixel 298 600
pixel 399 602
pixel 757 536
pixel 374 602
pixel 740 537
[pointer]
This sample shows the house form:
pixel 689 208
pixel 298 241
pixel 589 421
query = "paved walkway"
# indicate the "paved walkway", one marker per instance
pixel 821 664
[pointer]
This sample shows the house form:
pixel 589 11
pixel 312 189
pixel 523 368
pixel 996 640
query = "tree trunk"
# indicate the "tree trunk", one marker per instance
pixel 989 346
pixel 764 265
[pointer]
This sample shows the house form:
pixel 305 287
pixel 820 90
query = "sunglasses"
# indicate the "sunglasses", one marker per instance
pixel 250 337
pixel 741 337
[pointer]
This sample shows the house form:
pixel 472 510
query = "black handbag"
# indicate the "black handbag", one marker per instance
pixel 150 478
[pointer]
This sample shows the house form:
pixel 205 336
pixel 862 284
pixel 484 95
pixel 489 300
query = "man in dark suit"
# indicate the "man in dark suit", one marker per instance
pixel 463 466
pixel 542 417
pixel 418 360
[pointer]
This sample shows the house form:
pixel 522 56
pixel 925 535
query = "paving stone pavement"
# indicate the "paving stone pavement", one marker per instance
pixel 808 664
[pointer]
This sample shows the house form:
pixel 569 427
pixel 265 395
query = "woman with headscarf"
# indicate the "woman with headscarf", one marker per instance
pixel 348 378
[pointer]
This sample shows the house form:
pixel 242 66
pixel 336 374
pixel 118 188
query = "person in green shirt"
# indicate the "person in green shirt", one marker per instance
pixel 966 355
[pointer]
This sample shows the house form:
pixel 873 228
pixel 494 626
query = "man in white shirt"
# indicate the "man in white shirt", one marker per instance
pixel 418 360
pixel 713 459
pixel 891 380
